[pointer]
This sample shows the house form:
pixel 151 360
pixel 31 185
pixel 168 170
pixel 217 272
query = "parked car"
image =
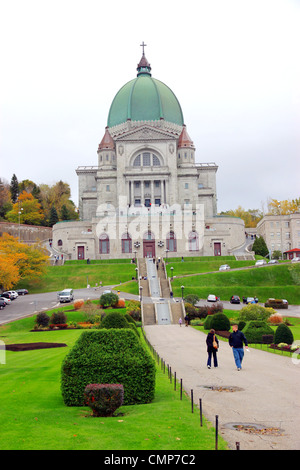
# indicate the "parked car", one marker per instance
pixel 6 300
pixel 212 298
pixel 2 303
pixel 13 294
pixel 296 259
pixel 22 291
pixel 6 295
pixel 224 267
pixel 251 300
pixel 260 262
pixel 273 261
pixel 234 299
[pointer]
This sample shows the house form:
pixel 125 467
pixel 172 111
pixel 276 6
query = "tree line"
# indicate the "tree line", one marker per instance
pixel 26 202
pixel 251 217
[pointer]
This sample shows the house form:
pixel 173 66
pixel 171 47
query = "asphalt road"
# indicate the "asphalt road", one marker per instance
pixel 30 304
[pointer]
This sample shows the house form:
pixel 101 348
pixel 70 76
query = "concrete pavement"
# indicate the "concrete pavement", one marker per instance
pixel 266 389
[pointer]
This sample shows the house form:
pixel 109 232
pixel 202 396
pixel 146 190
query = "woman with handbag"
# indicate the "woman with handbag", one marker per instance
pixel 212 348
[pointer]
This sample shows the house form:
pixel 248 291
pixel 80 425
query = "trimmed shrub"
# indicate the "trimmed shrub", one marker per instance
pixel 191 299
pixel 121 303
pixel 283 334
pixel 104 399
pixel 241 325
pixel 275 319
pixel 219 321
pixel 108 356
pixel 58 318
pixel 207 322
pixel 255 330
pixel 255 312
pixel 114 320
pixel 109 300
pixel 42 319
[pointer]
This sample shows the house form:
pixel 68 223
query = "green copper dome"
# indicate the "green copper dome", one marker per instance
pixel 144 99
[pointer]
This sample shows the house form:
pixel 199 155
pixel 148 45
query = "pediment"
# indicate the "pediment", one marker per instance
pixel 146 133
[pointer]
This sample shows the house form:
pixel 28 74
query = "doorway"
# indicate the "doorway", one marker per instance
pixel 217 249
pixel 80 252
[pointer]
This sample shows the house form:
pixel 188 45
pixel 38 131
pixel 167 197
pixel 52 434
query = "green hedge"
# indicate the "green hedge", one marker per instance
pixel 255 330
pixel 108 356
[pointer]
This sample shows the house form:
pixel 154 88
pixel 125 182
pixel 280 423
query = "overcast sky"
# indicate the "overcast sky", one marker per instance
pixel 233 65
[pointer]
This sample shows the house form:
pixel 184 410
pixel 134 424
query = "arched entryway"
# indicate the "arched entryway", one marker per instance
pixel 149 245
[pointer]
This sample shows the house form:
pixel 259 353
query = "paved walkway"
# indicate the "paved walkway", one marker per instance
pixel 267 394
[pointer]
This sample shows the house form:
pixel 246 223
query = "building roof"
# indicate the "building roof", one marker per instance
pixel 107 141
pixel 144 99
pixel 184 140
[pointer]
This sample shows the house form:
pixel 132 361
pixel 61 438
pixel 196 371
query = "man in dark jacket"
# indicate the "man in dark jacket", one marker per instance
pixel 236 341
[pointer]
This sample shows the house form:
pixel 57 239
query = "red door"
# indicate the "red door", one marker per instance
pixel 80 252
pixel 217 249
pixel 149 248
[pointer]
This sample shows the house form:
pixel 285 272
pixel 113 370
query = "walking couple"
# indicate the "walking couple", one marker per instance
pixel 236 341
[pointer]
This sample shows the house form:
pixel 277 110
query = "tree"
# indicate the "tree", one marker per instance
pixel 259 247
pixel 53 219
pixel 14 188
pixel 5 198
pixel 27 209
pixel 18 260
pixel 287 206
pixel 251 217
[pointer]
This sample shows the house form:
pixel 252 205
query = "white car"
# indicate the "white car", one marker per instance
pixel 273 261
pixel 7 301
pixel 224 267
pixel 212 298
pixel 294 260
pixel 13 294
pixel 260 262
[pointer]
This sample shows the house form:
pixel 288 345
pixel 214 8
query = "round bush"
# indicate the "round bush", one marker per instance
pixel 104 399
pixel 241 325
pixel 114 320
pixel 255 330
pixel 42 319
pixel 220 322
pixel 58 318
pixel 283 334
pixel 109 300
pixel 207 322
pixel 255 312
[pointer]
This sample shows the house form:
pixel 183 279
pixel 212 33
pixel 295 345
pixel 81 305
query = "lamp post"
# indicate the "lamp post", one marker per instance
pixel 167 256
pixel 182 289
pixel 141 291
pixel 136 273
pixel 172 273
pixel 135 256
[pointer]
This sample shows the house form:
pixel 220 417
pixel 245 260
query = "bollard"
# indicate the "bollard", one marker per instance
pixel 175 381
pixel 237 445
pixel 170 374
pixel 200 405
pixel 180 389
pixel 217 425
pixel 192 400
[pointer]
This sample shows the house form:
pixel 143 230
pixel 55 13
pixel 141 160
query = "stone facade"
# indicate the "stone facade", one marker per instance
pixel 147 196
pixel 280 232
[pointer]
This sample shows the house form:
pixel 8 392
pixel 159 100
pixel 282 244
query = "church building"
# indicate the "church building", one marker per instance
pixel 146 196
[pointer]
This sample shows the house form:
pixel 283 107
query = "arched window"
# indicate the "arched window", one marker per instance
pixel 104 244
pixel 146 159
pixel 126 243
pixel 193 241
pixel 59 243
pixel 171 242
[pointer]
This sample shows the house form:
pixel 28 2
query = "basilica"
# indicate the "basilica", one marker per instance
pixel 147 196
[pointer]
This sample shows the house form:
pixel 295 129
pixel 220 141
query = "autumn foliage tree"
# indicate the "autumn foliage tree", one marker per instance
pixel 18 260
pixel 27 210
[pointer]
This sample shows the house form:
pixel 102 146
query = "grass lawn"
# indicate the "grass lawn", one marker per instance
pixel 33 415
pixel 279 281
pixel 77 276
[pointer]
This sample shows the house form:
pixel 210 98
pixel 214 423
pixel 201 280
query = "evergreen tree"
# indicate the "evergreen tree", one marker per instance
pixel 64 213
pixel 259 247
pixel 14 189
pixel 53 219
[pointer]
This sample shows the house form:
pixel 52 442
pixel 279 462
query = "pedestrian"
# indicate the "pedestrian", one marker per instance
pixel 212 348
pixel 236 341
pixel 186 319
pixel 180 321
